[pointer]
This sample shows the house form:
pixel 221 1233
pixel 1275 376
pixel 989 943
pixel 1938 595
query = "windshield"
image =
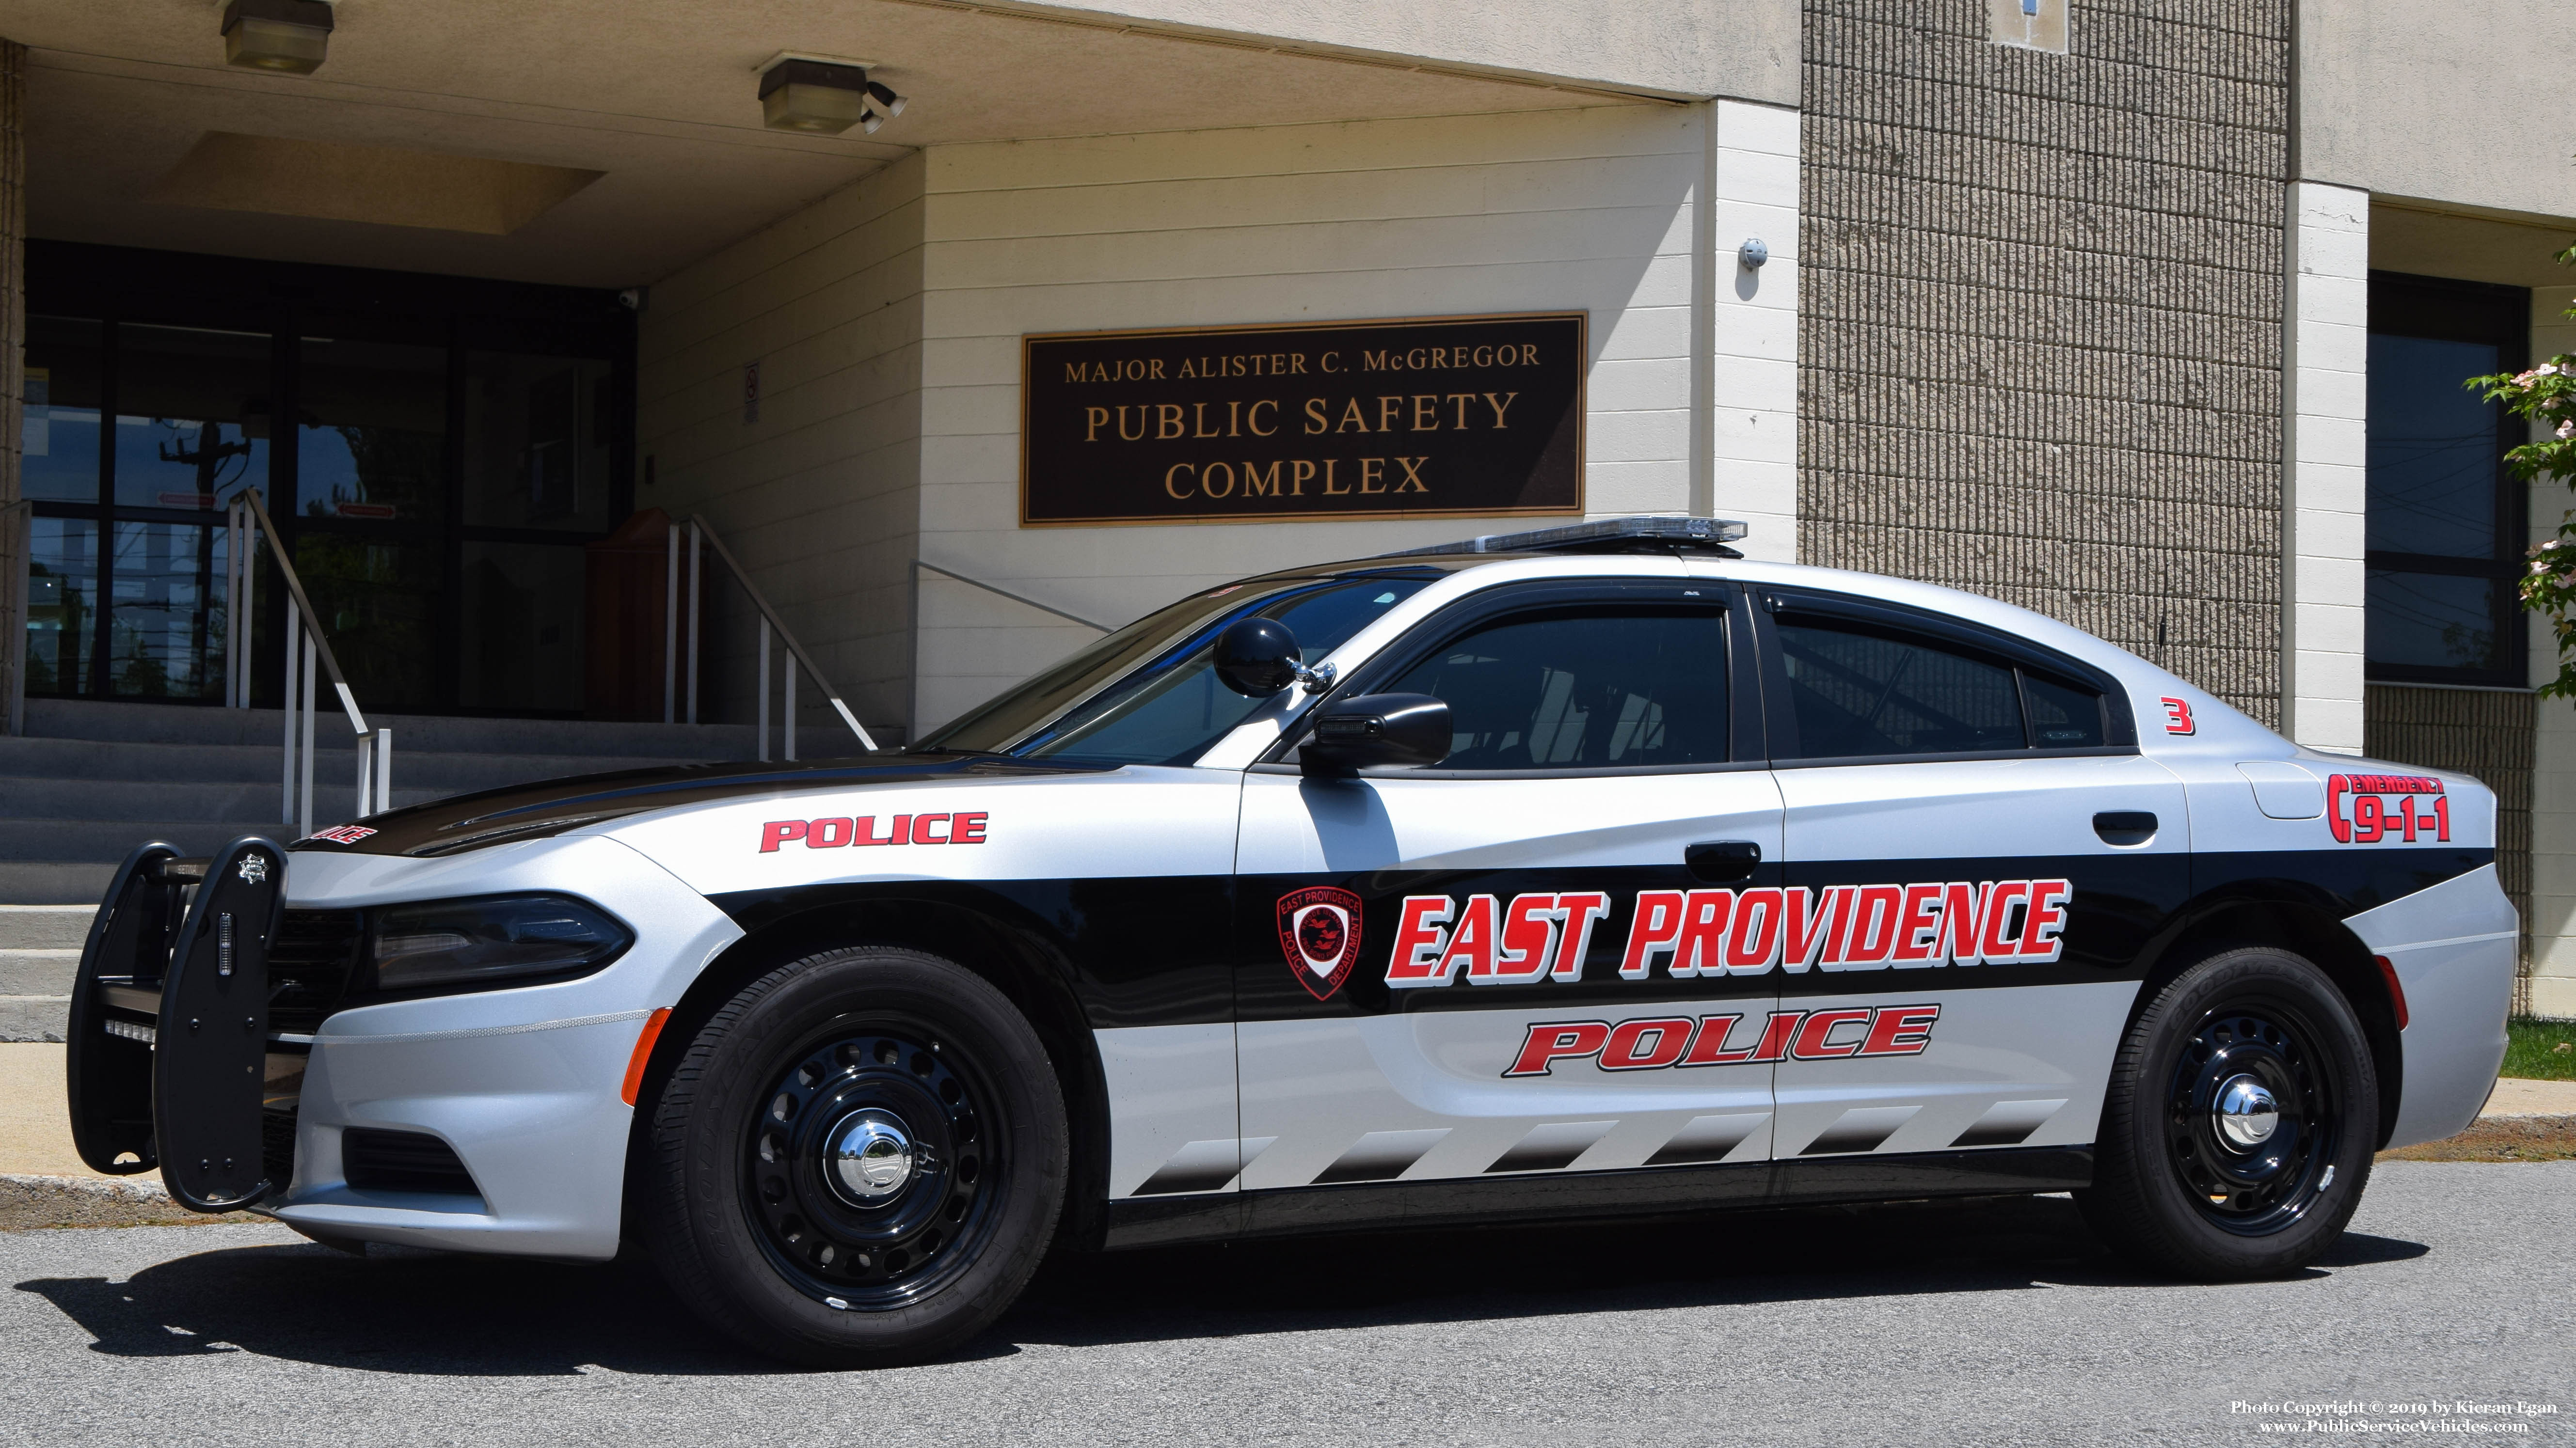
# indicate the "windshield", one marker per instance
pixel 1148 694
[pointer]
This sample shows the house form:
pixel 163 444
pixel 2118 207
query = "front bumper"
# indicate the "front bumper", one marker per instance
pixel 532 1111
pixel 523 1085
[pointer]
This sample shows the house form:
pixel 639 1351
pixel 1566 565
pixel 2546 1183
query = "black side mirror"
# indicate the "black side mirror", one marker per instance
pixel 1390 729
pixel 1257 657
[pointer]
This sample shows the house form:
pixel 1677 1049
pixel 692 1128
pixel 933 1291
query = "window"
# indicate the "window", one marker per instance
pixel 1859 690
pixel 1173 709
pixel 1584 688
pixel 2445 523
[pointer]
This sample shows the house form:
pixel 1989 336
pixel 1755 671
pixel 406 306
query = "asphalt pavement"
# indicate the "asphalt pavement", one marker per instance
pixel 1990 1322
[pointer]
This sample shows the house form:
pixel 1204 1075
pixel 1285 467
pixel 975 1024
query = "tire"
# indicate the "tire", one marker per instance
pixel 858 1162
pixel 2175 1188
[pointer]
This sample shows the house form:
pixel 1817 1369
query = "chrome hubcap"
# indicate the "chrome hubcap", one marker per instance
pixel 2247 1114
pixel 870 1156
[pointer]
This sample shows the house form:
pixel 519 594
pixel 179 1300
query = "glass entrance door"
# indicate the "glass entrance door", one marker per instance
pixel 436 496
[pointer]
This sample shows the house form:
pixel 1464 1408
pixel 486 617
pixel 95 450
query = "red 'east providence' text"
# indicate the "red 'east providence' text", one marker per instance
pixel 1439 941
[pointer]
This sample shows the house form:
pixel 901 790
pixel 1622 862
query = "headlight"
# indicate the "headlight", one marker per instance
pixel 495 939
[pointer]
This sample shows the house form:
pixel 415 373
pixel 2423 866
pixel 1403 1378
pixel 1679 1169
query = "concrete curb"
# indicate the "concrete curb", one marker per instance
pixel 143 1189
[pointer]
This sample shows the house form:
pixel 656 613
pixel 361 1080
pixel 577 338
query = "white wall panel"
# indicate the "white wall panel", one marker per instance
pixel 817 497
pixel 1598 209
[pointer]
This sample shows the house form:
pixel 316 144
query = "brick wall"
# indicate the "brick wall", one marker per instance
pixel 2040 352
pixel 2485 733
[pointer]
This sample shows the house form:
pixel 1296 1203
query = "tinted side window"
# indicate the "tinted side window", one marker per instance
pixel 1867 691
pixel 1599 687
pixel 2062 716
pixel 1859 690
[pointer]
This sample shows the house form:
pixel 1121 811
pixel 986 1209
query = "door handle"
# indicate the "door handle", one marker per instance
pixel 2125 826
pixel 1722 862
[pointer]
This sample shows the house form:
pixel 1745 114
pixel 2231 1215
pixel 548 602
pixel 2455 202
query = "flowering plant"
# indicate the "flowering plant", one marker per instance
pixel 2547 395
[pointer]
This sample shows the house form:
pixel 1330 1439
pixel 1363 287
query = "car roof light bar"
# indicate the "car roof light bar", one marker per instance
pixel 1608 535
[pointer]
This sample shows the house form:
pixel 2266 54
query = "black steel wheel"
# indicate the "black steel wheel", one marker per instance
pixel 864 1166
pixel 859 1160
pixel 2251 1120
pixel 2239 1121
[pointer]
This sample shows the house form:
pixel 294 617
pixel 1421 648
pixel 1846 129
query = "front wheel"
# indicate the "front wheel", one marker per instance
pixel 859 1160
pixel 2239 1123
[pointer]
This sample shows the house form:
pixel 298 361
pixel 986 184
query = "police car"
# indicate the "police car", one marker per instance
pixel 1566 874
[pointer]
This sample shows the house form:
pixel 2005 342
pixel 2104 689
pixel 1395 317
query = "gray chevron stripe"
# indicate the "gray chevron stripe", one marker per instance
pixel 1381 1156
pixel 1552 1146
pixel 2008 1123
pixel 1708 1138
pixel 1204 1166
pixel 1863 1128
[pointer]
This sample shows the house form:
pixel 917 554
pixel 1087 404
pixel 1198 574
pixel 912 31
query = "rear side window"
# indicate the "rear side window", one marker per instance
pixel 1859 691
pixel 2062 716
pixel 1615 687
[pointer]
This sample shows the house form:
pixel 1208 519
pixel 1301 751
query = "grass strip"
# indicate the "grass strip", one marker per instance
pixel 2539 1050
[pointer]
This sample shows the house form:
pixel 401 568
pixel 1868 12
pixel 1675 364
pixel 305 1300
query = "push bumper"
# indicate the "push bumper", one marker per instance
pixel 521 1087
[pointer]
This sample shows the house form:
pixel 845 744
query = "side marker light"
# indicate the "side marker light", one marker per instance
pixel 2396 992
pixel 635 1063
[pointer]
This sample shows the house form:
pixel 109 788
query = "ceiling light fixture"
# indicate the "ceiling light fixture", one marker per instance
pixel 289 36
pixel 823 96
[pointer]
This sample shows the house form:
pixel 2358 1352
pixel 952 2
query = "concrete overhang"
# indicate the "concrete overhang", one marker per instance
pixel 607 143
pixel 2469 243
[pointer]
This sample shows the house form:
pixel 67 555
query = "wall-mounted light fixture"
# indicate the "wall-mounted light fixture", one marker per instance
pixel 1753 253
pixel 822 95
pixel 280 35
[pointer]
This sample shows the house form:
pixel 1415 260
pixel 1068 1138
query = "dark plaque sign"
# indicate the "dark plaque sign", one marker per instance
pixel 1406 419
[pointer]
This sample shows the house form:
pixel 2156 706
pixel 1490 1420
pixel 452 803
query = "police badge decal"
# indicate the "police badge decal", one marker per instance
pixel 1319 930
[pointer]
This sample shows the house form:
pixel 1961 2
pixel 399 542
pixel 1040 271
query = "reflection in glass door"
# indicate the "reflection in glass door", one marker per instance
pixel 62 606
pixel 191 416
pixel 166 633
pixel 536 481
pixel 436 459
pixel 371 509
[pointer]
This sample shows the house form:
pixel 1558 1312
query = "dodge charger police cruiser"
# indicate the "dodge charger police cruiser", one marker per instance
pixel 1567 874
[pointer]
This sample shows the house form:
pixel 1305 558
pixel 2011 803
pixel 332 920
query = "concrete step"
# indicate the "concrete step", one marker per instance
pixel 48 927
pixel 447 773
pixel 104 842
pixel 138 723
pixel 110 800
pixel 34 1018
pixel 52 882
pixel 38 972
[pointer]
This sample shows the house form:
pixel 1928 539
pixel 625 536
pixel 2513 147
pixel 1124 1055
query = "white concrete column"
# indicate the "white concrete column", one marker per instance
pixel 2553 766
pixel 1753 408
pixel 2325 385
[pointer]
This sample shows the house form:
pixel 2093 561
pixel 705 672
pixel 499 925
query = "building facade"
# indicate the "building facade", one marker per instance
pixel 2149 317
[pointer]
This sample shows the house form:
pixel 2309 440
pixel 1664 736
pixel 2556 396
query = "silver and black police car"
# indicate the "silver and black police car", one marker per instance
pixel 1566 874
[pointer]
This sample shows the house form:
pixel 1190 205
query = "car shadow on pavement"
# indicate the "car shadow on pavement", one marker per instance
pixel 405 1311
pixel 1997 1244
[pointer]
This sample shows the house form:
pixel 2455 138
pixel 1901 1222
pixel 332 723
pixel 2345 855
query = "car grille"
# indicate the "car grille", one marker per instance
pixel 310 965
pixel 277 1148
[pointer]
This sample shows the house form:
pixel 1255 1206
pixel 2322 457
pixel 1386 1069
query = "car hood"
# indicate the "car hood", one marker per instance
pixel 550 807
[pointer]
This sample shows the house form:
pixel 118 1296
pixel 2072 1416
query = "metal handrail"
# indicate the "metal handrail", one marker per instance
pixel 303 637
pixel 1013 597
pixel 699 529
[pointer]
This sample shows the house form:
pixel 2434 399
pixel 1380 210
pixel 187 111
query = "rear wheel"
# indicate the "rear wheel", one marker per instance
pixel 859 1160
pixel 2239 1124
